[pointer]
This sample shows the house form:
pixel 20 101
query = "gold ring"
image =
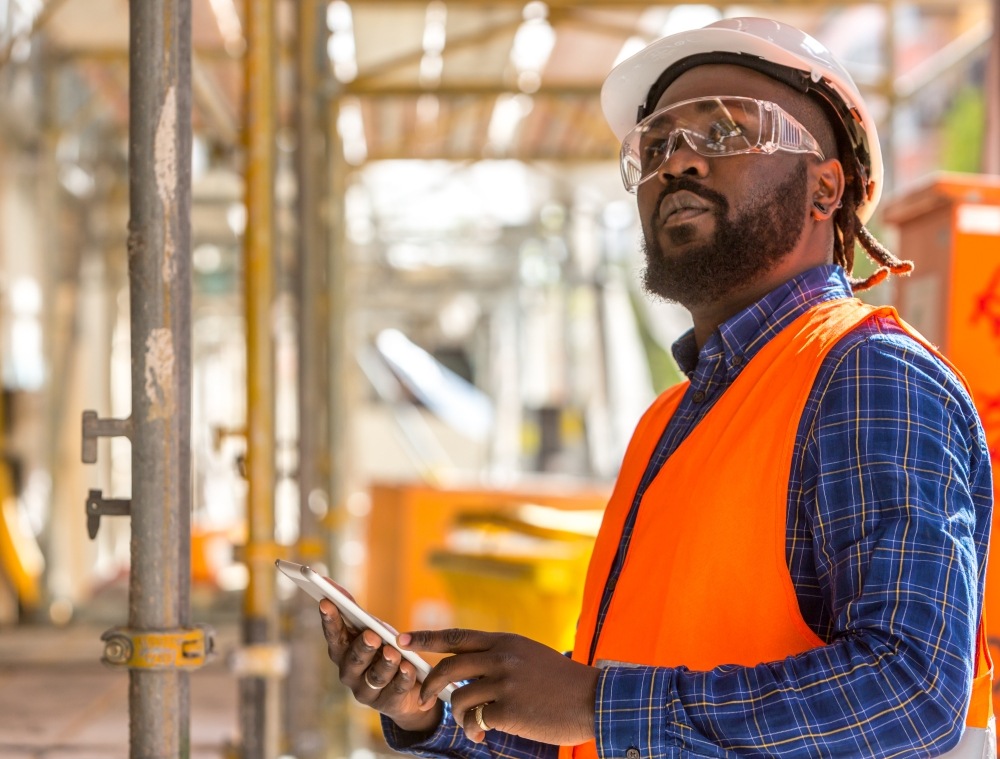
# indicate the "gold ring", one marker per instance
pixel 479 718
pixel 369 683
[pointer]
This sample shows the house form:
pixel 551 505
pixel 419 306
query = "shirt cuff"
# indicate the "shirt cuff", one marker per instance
pixel 433 742
pixel 634 712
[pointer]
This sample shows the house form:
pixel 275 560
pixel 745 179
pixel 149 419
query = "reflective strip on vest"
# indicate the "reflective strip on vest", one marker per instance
pixel 684 595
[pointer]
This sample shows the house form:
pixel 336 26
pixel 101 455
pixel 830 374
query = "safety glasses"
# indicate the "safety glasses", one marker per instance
pixel 711 126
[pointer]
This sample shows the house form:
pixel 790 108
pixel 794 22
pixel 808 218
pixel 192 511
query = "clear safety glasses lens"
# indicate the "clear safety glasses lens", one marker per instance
pixel 711 126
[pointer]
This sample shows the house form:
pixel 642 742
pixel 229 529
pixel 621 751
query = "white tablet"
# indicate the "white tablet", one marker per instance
pixel 319 588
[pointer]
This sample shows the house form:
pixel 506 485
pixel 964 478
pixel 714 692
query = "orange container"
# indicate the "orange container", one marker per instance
pixel 950 227
pixel 410 521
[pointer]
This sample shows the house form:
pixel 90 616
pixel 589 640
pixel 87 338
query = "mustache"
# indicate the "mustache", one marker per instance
pixel 686 183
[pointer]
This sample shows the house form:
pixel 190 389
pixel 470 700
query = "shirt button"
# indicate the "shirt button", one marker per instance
pixel 632 753
pixel 698 397
pixel 737 360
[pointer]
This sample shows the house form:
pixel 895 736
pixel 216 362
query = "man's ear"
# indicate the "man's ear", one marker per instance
pixel 827 187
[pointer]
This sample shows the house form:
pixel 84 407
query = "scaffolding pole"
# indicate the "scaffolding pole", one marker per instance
pixel 308 666
pixel 991 152
pixel 342 389
pixel 259 709
pixel 159 251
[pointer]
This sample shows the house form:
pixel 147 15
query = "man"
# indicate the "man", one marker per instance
pixel 793 558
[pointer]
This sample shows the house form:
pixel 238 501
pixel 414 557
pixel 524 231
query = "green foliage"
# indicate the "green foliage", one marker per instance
pixel 963 131
pixel 662 368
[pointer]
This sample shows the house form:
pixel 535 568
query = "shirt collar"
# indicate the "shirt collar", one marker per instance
pixel 741 336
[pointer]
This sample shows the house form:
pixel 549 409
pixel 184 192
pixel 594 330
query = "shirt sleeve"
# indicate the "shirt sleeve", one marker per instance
pixel 449 740
pixel 895 493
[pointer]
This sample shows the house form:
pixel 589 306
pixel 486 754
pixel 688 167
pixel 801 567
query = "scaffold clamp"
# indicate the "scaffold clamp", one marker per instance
pixel 98 506
pixel 185 648
pixel 94 428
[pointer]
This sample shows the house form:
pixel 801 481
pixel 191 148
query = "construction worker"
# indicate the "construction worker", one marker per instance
pixel 792 561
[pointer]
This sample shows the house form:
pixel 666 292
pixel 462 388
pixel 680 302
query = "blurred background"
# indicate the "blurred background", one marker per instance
pixel 412 345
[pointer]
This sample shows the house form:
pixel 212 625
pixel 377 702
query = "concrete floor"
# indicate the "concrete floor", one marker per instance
pixel 57 701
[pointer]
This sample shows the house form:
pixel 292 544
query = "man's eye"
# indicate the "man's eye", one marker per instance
pixel 653 150
pixel 720 131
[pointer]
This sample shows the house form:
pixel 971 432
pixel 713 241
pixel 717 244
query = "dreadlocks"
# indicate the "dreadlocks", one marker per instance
pixel 849 230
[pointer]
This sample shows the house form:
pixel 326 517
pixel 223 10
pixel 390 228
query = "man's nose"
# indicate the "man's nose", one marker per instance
pixel 683 160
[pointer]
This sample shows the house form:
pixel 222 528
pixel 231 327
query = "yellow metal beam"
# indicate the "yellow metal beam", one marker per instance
pixel 535 156
pixel 453 90
pixel 72 56
pixel 370 75
pixel 641 4
pixel 260 604
pixel 258 272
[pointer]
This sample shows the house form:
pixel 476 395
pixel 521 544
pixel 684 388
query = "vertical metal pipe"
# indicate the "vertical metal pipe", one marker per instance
pixel 312 278
pixel 159 250
pixel 343 368
pixel 304 694
pixel 339 378
pixel 341 375
pixel 260 601
pixel 991 151
pixel 886 130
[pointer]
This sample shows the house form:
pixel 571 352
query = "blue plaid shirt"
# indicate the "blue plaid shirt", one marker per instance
pixel 889 506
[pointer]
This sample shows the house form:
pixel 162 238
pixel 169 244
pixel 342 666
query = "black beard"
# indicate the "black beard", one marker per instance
pixel 743 248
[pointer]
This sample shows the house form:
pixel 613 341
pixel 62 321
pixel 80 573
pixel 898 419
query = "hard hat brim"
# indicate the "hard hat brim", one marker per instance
pixel 628 84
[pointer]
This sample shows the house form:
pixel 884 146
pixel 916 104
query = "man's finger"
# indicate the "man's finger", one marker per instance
pixel 403 682
pixel 334 630
pixel 383 668
pixel 468 697
pixel 473 730
pixel 356 661
pixel 454 641
pixel 327 609
pixel 455 669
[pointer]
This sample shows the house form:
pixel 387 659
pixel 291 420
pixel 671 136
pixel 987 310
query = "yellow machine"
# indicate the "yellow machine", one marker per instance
pixel 20 559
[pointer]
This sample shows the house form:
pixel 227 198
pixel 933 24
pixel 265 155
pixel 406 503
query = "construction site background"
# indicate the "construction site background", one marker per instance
pixel 354 284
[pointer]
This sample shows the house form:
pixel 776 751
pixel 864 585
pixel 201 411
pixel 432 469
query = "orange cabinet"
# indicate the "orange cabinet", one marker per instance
pixel 410 522
pixel 950 227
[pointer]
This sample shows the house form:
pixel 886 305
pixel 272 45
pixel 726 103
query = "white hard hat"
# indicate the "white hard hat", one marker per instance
pixel 760 44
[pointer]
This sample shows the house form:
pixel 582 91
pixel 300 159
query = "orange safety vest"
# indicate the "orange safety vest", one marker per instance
pixel 706 579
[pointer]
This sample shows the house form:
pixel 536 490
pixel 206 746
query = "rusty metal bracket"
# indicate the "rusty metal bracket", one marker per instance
pixel 220 434
pixel 98 506
pixel 162 649
pixel 95 428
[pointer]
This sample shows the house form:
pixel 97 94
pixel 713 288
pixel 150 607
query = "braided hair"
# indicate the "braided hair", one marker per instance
pixel 848 228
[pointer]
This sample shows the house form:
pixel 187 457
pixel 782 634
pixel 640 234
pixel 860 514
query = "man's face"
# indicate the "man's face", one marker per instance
pixel 740 214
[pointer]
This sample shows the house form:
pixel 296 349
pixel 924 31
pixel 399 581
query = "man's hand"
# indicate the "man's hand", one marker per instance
pixel 528 689
pixel 377 674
